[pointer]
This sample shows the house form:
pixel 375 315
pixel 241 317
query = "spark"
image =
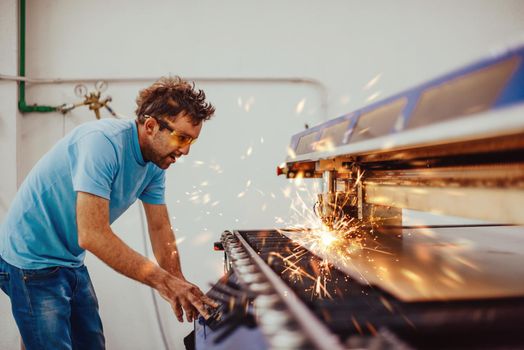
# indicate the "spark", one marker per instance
pixel 373 96
pixel 300 106
pixel 203 238
pixel 372 81
pixel 327 238
pixel 215 203
pixel 204 184
pixel 324 145
pixel 298 274
pixel 467 263
pixel 249 103
pixel 206 199
pixel 180 240
pixel 261 140
pixel 344 238
pixel 371 328
pixel 198 163
pixel 411 275
pixel 298 180
pixel 356 324
pixel 216 168
pixel 386 304
pixel 249 151
pixel 453 275
pixel 241 194
pixel 248 183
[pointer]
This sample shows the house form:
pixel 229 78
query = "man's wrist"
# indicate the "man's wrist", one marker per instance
pixel 176 272
pixel 157 277
pixel 172 267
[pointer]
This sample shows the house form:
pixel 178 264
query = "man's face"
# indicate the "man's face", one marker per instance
pixel 170 142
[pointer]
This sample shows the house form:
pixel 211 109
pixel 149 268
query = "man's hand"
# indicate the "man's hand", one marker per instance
pixel 184 297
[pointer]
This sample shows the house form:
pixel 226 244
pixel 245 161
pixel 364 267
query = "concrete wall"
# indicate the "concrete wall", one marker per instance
pixel 228 180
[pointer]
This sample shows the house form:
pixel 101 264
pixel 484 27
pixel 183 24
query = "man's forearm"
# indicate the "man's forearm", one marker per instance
pixel 166 251
pixel 119 256
pixel 163 238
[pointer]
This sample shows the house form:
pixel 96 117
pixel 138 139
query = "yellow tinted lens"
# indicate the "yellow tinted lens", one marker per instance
pixel 182 140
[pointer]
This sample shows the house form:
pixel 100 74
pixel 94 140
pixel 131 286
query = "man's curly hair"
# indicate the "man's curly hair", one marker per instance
pixel 169 96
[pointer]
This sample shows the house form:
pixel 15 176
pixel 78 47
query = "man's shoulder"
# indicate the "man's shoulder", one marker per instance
pixel 113 130
pixel 108 127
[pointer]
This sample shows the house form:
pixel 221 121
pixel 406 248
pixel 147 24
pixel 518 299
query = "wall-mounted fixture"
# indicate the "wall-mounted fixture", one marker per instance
pixel 92 99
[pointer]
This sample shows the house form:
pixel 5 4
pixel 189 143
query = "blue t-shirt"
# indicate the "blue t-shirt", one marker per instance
pixel 101 157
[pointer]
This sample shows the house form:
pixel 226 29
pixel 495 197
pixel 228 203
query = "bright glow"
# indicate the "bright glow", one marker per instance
pixel 300 106
pixel 373 81
pixel 327 238
pixel 373 96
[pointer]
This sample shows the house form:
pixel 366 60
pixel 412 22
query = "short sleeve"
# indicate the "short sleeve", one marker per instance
pixel 154 191
pixel 93 163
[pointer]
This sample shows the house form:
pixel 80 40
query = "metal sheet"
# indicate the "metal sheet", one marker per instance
pixel 446 263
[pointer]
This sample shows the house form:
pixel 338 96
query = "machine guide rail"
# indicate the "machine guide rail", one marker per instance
pixel 285 320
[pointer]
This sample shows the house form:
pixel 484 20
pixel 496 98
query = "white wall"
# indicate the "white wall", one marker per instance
pixel 9 131
pixel 343 44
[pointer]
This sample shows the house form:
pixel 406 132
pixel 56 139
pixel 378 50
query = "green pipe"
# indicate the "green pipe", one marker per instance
pixel 22 106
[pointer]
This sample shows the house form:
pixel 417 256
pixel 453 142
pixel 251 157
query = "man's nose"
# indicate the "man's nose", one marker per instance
pixel 185 150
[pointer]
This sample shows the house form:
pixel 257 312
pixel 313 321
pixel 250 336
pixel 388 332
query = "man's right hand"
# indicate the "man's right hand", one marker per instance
pixel 185 296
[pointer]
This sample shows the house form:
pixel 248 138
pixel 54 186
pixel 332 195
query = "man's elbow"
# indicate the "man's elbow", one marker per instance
pixel 84 240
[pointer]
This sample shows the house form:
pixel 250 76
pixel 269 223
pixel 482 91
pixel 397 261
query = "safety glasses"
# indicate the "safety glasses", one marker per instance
pixel 180 138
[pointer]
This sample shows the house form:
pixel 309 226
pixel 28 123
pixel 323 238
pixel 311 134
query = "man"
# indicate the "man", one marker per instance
pixel 67 203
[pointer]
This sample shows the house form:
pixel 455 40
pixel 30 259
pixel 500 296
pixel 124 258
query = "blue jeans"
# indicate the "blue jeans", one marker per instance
pixel 54 308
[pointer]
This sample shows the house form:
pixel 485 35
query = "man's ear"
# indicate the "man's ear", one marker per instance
pixel 150 126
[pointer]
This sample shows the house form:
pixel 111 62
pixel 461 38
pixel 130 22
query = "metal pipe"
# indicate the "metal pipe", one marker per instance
pixel 211 80
pixel 246 80
pixel 22 105
pixel 329 179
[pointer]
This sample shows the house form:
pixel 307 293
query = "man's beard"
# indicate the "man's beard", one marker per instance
pixel 162 161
